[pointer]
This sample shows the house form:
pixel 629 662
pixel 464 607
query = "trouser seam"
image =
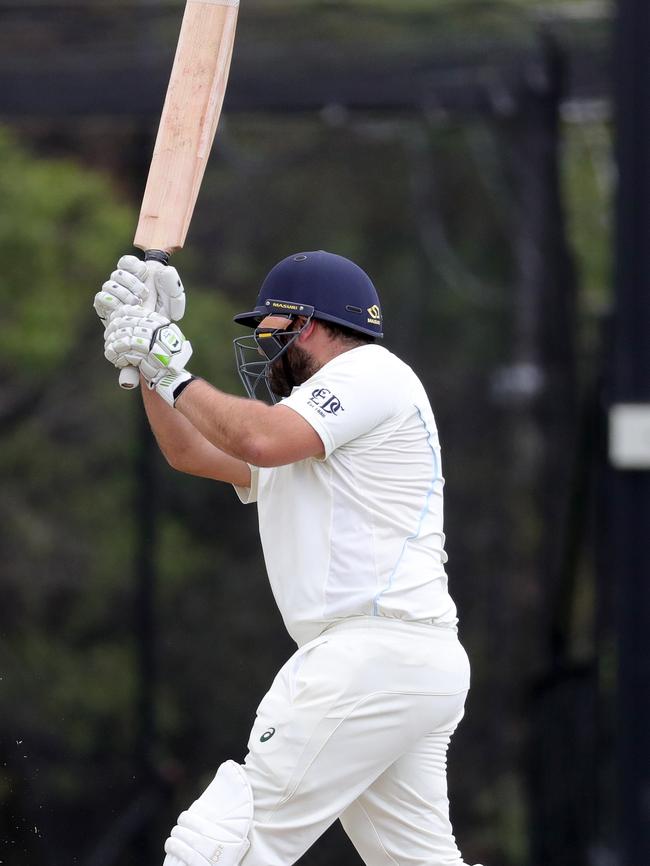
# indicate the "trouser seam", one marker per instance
pixel 292 793
pixel 376 832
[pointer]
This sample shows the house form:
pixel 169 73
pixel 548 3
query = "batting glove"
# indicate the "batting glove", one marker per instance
pixel 149 341
pixel 132 284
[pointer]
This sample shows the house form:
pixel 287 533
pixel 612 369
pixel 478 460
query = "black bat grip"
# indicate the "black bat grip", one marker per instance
pixel 161 256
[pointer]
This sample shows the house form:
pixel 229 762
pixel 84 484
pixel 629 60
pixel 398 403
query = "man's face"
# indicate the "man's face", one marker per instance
pixel 295 365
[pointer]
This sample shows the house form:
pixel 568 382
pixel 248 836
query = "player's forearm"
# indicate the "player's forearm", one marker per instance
pixel 186 449
pixel 175 435
pixel 235 425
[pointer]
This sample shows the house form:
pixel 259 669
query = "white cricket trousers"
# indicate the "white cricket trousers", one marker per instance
pixel 356 726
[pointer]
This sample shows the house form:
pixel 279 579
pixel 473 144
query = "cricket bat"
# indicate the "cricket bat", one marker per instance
pixel 187 128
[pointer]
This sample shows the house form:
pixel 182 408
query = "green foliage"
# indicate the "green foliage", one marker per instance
pixel 58 227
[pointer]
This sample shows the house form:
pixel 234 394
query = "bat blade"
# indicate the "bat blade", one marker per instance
pixel 188 123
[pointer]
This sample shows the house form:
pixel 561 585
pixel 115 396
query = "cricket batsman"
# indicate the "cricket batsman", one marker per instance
pixel 339 449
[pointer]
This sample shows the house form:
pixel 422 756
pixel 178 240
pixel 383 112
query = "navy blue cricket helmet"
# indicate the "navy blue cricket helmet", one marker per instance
pixel 333 287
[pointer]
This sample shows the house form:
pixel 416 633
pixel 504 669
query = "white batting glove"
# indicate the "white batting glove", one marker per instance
pixel 149 341
pixel 132 284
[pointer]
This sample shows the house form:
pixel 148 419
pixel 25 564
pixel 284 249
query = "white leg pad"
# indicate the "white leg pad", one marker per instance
pixel 215 827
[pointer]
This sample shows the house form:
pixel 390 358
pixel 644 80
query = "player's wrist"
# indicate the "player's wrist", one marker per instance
pixel 172 385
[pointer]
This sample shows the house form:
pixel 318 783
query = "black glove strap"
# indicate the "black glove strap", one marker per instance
pixel 179 390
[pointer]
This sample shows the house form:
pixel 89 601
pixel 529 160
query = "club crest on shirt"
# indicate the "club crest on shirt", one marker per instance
pixel 324 402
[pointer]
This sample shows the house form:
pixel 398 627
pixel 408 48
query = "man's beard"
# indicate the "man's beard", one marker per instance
pixel 292 368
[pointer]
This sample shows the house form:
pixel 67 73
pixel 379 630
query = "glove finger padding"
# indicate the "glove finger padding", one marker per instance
pixel 132 284
pixel 171 294
pixel 116 293
pixel 130 335
pixel 128 314
pixel 128 346
pixel 141 288
pixel 136 337
pixel 134 266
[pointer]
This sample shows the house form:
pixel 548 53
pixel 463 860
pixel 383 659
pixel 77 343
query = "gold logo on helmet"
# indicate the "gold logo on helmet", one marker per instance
pixel 375 315
pixel 281 305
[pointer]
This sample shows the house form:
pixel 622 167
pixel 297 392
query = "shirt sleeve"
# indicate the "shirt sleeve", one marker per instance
pixel 248 495
pixel 344 401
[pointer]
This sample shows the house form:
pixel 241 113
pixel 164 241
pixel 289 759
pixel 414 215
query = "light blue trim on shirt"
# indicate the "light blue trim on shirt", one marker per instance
pixel 423 514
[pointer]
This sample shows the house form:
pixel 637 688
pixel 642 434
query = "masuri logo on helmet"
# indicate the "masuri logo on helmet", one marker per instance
pixel 375 315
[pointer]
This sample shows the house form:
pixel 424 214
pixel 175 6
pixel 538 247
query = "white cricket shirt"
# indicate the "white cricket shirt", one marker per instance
pixel 360 532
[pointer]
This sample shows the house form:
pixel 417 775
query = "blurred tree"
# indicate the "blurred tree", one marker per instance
pixel 64 677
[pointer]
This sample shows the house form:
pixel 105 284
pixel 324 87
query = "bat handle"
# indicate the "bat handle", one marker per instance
pixel 130 376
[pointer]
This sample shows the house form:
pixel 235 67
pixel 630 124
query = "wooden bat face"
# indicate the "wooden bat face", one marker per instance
pixel 187 128
pixel 188 123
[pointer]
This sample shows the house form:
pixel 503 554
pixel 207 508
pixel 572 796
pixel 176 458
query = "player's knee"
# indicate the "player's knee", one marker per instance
pixel 215 828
